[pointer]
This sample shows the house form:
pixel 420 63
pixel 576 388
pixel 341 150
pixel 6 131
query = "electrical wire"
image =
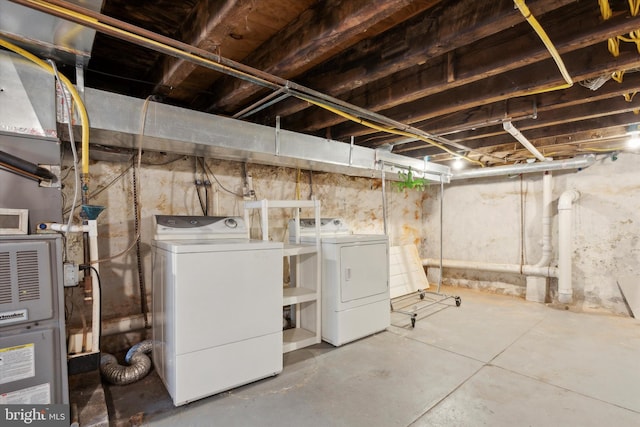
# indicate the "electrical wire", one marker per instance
pixel 605 9
pixel 138 213
pixel 389 130
pixel 528 16
pixel 208 171
pixel 66 104
pixel 96 193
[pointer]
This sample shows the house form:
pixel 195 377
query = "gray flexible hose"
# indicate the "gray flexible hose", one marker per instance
pixel 139 365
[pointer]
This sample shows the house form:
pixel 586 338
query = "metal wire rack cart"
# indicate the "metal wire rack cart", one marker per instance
pixel 416 302
pixel 420 301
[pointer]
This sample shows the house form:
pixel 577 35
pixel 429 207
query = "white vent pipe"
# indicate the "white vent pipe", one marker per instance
pixel 524 141
pixel 565 241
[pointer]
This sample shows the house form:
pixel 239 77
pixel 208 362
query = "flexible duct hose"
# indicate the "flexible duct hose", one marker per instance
pixel 139 365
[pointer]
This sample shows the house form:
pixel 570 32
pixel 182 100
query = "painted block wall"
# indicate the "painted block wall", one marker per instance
pixel 498 220
pixel 167 187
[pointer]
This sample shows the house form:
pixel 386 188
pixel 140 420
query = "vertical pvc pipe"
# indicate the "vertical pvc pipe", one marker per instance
pixel 547 200
pixel 441 233
pixel 95 286
pixel 384 201
pixel 565 241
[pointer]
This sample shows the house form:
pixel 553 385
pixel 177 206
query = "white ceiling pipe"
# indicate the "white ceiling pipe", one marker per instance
pixel 509 127
pixel 565 241
pixel 575 163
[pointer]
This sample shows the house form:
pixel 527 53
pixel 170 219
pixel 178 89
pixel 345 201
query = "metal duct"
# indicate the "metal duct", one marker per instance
pixel 27 98
pixel 139 365
pixel 575 163
pixel 115 121
pixel 46 35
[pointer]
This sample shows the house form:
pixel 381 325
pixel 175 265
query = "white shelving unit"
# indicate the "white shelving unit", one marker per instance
pixel 303 293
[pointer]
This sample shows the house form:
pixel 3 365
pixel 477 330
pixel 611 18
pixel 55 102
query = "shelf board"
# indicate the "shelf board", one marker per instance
pixel 296 338
pixel 293 249
pixel 296 295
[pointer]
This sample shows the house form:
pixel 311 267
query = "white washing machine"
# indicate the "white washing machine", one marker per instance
pixel 217 306
pixel 355 280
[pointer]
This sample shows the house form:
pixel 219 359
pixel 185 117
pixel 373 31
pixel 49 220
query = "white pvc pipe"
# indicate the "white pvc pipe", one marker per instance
pixel 95 285
pixel 541 268
pixel 547 199
pixel 565 241
pixel 524 141
pixel 529 270
pixel 118 325
pixel 92 229
pixel 64 227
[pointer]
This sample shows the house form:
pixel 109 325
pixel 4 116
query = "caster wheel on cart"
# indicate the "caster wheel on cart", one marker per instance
pixel 458 301
pixel 421 295
pixel 413 322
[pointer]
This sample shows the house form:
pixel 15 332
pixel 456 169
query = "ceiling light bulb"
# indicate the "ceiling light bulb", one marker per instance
pixel 634 141
pixel 458 164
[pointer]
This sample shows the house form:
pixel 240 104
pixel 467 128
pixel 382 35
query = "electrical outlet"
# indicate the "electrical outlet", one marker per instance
pixel 71 274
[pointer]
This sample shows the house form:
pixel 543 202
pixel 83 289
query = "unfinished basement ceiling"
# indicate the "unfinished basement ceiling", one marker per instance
pixel 456 69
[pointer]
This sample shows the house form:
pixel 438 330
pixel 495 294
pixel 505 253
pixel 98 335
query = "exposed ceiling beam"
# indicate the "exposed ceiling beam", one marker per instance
pixel 315 36
pixel 587 63
pixel 477 62
pixel 421 45
pixel 233 28
pixel 573 131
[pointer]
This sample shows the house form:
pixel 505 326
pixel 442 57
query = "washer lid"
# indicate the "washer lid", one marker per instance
pixel 186 246
pixel 347 238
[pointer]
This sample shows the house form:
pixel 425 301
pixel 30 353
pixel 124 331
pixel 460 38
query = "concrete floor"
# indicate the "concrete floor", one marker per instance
pixel 495 360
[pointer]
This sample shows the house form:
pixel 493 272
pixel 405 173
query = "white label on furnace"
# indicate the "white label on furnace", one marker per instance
pixel 17 363
pixel 36 395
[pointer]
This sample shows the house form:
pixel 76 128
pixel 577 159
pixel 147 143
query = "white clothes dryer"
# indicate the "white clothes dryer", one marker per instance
pixel 355 280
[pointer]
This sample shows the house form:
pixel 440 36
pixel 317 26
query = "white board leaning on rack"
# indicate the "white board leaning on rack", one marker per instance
pixel 406 272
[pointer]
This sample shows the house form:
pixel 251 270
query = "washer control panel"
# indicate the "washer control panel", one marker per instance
pixel 199 227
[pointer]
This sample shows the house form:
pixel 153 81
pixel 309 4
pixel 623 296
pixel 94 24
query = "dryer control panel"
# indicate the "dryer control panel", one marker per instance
pixel 328 226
